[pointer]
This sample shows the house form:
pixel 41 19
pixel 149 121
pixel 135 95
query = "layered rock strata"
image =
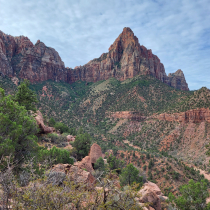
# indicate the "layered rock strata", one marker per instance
pixel 191 116
pixel 126 58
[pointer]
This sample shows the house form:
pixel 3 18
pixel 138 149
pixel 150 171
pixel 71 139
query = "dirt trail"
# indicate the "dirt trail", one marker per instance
pixel 131 144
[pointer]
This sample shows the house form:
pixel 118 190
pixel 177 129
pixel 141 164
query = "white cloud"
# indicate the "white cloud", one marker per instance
pixel 176 31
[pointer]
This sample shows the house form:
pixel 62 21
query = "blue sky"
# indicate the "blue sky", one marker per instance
pixel 177 31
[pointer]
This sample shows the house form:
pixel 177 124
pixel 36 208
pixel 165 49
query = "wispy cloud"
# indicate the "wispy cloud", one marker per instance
pixel 176 31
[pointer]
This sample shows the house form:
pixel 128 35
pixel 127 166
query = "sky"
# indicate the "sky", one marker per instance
pixel 177 31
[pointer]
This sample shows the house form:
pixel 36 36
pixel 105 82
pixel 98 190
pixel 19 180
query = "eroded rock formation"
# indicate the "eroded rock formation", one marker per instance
pixel 75 173
pixel 40 121
pixel 191 116
pixel 126 58
pixel 95 153
pixel 85 163
pixel 150 193
pixel 19 57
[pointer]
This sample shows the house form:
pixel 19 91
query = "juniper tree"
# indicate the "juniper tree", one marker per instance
pixel 17 129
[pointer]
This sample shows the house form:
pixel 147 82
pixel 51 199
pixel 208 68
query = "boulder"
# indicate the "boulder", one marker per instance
pixel 153 187
pixel 149 194
pixel 75 174
pixel 85 163
pixel 70 138
pixel 95 153
pixel 81 176
pixel 40 121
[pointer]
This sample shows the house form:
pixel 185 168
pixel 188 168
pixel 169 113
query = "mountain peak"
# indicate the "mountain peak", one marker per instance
pixel 124 39
pixel 127 29
pixel 126 59
pixel 179 72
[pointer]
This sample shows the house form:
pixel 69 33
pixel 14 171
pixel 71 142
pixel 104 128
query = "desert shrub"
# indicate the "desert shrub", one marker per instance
pixel 193 196
pixel 55 156
pixel 99 165
pixel 51 122
pixel 61 127
pixel 115 163
pixel 82 144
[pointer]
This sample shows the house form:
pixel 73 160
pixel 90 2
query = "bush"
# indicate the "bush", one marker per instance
pixel 82 144
pixel 115 163
pixel 99 164
pixel 51 122
pixel 193 196
pixel 61 127
pixel 55 156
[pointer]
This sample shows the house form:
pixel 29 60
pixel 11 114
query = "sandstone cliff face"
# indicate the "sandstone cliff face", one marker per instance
pixel 191 116
pixel 19 57
pixel 126 58
pixel 177 80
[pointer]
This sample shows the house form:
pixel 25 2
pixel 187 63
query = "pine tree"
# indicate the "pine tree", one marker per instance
pixel 17 129
pixel 129 175
pixel 26 97
pixel 82 144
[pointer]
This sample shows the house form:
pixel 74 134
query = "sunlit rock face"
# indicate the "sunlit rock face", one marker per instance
pixel 126 58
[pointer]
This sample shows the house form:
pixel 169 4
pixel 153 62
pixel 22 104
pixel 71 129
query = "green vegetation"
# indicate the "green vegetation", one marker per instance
pixel 82 145
pixel 193 196
pixel 115 163
pixel 55 156
pixel 129 175
pixel 61 127
pixel 99 165
pixel 17 128
pixel 84 110
pixel 52 122
pixel 26 97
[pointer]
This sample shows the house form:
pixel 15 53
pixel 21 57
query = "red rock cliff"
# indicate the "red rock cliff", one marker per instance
pixel 19 57
pixel 126 58
pixel 193 116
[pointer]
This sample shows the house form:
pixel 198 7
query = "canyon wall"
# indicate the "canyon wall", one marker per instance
pixel 190 116
pixel 126 58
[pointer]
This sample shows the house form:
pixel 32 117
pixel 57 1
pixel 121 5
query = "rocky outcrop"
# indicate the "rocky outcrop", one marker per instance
pixel 177 80
pixel 19 57
pixel 75 174
pixel 40 121
pixel 85 163
pixel 125 115
pixel 70 138
pixel 126 58
pixel 95 153
pixel 191 116
pixel 150 194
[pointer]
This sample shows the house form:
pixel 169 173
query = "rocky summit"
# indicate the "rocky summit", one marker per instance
pixel 126 58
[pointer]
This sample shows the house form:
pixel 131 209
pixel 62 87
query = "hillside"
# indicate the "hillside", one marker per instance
pixel 124 100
